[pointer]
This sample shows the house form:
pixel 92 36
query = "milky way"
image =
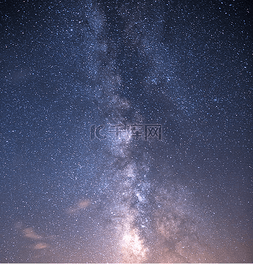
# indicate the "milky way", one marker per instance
pixel 126 131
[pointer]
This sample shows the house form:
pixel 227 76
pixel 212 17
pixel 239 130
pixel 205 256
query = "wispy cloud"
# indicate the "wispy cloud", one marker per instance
pixel 79 206
pixel 30 233
pixel 41 245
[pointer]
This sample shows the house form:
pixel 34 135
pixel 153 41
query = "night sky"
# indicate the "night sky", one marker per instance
pixel 126 131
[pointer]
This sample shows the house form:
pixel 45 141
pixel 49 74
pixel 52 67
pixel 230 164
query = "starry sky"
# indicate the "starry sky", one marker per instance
pixel 80 82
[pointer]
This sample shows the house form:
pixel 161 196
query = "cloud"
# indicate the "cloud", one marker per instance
pixel 41 245
pixel 30 233
pixel 79 206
